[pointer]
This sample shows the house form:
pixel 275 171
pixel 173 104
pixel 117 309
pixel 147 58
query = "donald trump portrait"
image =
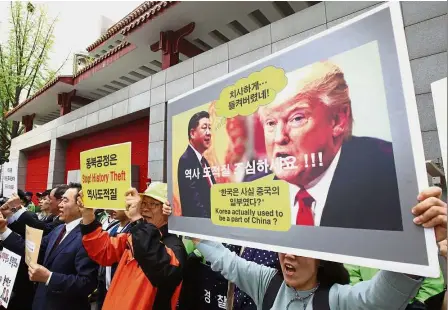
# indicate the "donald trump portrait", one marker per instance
pixel 336 179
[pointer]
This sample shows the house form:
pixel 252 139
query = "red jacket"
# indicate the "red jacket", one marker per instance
pixel 149 272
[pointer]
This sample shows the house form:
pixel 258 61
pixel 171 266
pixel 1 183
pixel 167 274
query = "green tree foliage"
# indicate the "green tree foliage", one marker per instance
pixel 24 59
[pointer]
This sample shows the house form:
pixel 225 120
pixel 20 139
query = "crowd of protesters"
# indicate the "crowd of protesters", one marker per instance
pixel 128 260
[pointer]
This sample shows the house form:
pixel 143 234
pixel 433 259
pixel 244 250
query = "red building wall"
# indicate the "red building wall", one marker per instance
pixel 37 170
pixel 136 132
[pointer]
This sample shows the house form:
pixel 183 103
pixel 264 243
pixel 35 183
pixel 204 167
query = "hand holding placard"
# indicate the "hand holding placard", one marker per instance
pixel 431 211
pixel 88 214
pixel 133 201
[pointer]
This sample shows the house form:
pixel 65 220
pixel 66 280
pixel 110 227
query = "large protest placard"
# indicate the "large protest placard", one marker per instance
pixel 106 176
pixel 9 265
pixel 9 179
pixel 314 150
pixel 439 97
pixel 33 239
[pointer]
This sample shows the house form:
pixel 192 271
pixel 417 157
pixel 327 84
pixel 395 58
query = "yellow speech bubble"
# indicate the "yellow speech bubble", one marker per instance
pixel 247 94
pixel 258 205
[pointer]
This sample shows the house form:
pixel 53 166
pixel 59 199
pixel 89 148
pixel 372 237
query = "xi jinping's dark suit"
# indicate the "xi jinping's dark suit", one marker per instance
pixel 195 192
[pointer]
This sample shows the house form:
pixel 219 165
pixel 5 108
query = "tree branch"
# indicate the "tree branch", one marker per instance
pixel 40 59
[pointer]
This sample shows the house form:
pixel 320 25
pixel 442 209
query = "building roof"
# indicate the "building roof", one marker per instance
pixel 141 9
pixel 59 79
pixel 103 57
pixel 67 79
pixel 143 13
pixel 150 13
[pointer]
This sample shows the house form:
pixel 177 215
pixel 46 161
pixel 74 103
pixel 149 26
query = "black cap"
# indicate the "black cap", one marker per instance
pixel 21 194
pixel 29 194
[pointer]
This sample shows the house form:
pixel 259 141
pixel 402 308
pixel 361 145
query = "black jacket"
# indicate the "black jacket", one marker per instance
pixel 30 219
pixel 364 191
pixel 195 192
pixel 74 275
pixel 19 226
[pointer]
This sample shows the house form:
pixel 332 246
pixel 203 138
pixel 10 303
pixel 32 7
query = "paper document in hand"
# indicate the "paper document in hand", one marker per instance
pixel 32 244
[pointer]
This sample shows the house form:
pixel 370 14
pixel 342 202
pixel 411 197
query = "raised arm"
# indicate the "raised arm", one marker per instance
pixel 386 290
pixel 102 248
pixel 389 290
pixel 250 277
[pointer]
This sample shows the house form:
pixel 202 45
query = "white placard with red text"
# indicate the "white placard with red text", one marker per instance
pixel 9 265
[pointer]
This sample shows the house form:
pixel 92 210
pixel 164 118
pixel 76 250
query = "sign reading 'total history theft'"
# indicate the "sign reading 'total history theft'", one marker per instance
pixel 106 176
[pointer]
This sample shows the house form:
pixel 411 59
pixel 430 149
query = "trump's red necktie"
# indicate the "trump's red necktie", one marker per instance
pixel 305 213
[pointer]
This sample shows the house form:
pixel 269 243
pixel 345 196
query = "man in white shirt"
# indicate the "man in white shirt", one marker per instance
pixel 335 179
pixel 195 177
pixel 65 273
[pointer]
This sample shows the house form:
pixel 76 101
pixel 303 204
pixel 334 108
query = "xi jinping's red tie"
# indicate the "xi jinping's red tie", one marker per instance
pixel 305 213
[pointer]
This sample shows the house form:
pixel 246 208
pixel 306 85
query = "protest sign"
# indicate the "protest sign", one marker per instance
pixel 33 238
pixel 9 179
pixel 106 176
pixel 314 150
pixel 439 97
pixel 9 265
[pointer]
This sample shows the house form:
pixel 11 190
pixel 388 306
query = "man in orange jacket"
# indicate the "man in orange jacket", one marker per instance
pixel 150 260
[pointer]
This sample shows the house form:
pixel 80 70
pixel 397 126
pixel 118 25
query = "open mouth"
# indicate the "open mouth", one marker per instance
pixel 282 155
pixel 289 269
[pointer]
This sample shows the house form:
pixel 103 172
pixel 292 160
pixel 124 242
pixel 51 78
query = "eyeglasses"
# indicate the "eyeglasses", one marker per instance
pixel 151 205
